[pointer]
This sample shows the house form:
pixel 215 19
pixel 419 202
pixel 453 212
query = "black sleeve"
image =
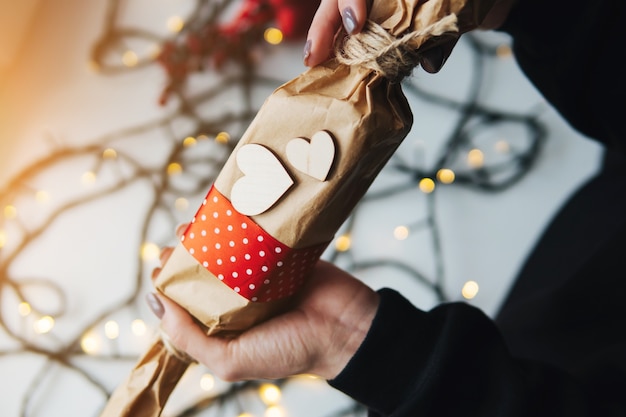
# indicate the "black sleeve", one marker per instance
pixel 452 361
pixel 573 52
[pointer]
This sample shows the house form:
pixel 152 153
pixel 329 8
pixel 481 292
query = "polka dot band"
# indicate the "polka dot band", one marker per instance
pixel 245 257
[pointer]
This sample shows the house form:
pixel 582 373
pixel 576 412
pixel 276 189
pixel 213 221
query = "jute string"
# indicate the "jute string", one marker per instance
pixel 394 58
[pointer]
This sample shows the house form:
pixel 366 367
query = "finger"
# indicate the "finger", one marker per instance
pixel 331 14
pixel 353 15
pixel 165 254
pixel 180 229
pixel 184 333
pixel 321 35
pixel 155 273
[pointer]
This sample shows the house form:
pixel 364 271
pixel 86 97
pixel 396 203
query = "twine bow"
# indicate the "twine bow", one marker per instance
pixel 394 58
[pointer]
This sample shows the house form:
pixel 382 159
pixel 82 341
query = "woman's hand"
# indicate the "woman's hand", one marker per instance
pixel 352 14
pixel 319 335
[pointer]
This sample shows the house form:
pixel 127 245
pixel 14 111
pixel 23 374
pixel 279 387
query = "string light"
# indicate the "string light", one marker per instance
pixel 504 51
pixel 401 232
pixel 111 329
pixel 3 238
pixel 88 178
pixel 222 137
pixel 475 158
pixel 427 185
pixel 90 343
pixel 150 251
pixel 174 168
pixel 10 212
pixel 130 58
pixel 270 394
pixel 109 153
pixel 138 327
pixel 175 24
pixel 469 290
pixel 343 243
pixel 502 146
pixel 24 309
pixel 445 176
pixel 181 204
pixel 207 382
pixel 189 141
pixel 274 411
pixel 43 324
pixel 273 36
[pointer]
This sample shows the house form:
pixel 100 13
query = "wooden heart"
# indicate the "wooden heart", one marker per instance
pixel 265 180
pixel 313 158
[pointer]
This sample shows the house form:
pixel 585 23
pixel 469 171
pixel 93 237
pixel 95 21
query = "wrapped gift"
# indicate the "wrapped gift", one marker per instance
pixel 303 164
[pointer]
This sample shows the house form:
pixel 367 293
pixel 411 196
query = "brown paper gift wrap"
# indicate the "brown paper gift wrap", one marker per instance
pixel 279 179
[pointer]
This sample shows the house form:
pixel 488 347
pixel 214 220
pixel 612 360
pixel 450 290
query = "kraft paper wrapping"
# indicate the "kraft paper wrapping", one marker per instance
pixel 363 118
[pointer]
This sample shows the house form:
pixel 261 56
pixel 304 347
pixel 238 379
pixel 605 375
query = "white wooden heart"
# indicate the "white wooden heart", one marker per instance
pixel 313 158
pixel 265 180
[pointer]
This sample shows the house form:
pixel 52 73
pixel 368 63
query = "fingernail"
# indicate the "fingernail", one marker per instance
pixel 349 20
pixel 155 305
pixel 307 51
pixel 432 60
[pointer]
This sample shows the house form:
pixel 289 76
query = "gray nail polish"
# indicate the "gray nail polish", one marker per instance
pixel 307 50
pixel 349 20
pixel 155 305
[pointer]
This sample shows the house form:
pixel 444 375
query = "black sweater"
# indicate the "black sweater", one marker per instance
pixel 558 344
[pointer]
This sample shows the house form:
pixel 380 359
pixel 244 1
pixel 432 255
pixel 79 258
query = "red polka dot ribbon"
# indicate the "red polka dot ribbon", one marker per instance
pixel 244 256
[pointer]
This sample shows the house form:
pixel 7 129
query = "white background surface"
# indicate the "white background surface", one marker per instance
pixel 49 97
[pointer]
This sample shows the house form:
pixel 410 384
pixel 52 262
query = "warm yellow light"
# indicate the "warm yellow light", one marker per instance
pixel 504 51
pixel 269 393
pixel 42 196
pixel 445 176
pixel 130 58
pixel 174 168
pixel 203 137
pixel 150 251
pixel 222 137
pixel 503 146
pixel 207 382
pixel 88 178
pixel 111 329
pixel 189 141
pixel 24 309
pixel 10 212
pixel 401 232
pixel 427 185
pixel 3 238
pixel 138 327
pixel 273 36
pixel 274 411
pixel 109 153
pixel 469 290
pixel 43 324
pixel 175 24
pixel 90 343
pixel 181 204
pixel 343 243
pixel 475 158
